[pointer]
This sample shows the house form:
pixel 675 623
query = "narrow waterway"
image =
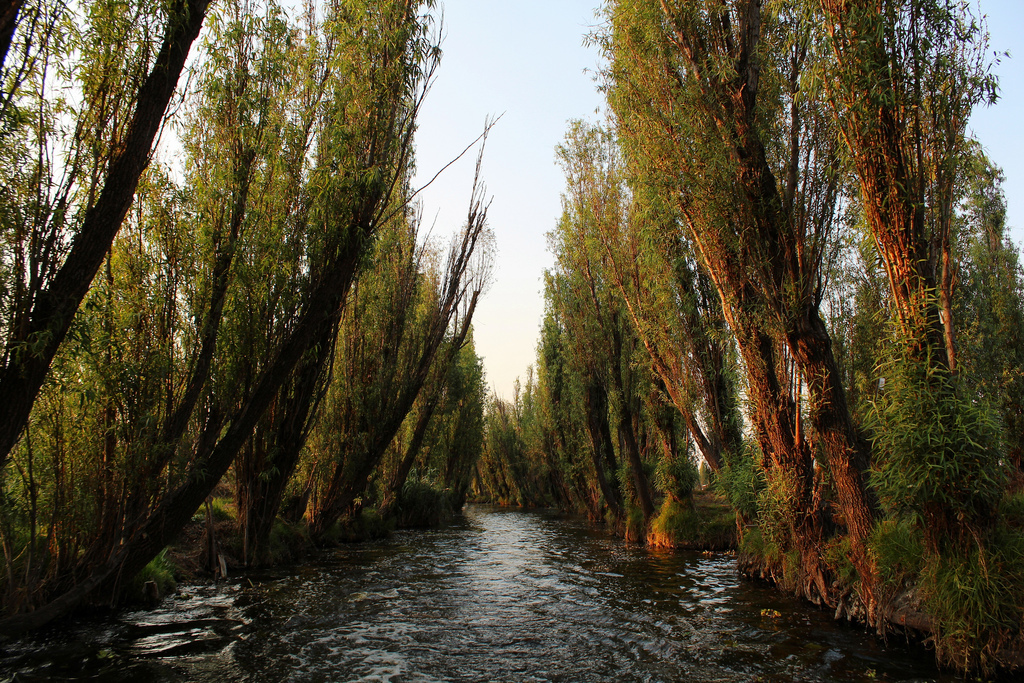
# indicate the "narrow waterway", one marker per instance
pixel 496 596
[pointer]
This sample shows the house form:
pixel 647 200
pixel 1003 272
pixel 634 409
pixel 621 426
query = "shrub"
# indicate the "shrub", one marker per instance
pixel 676 525
pixel 898 550
pixel 740 480
pixel 635 526
pixel 973 597
pixel 936 452
pixel 676 477
pixel 364 526
pixel 160 571
pixel 837 555
pixel 421 506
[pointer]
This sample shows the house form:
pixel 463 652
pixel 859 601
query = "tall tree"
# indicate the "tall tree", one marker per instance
pixel 53 279
pixel 379 57
pixel 712 96
pixel 902 82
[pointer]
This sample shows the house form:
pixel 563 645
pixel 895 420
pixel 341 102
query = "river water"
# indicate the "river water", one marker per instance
pixel 497 596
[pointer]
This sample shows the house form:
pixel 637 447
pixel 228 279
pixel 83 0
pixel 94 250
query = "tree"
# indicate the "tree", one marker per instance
pixel 379 58
pixel 903 81
pixel 59 247
pixel 391 336
pixel 710 104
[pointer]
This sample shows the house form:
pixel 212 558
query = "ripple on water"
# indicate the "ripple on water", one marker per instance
pixel 497 596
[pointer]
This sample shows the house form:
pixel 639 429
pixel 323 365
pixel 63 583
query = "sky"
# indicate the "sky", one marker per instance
pixel 527 62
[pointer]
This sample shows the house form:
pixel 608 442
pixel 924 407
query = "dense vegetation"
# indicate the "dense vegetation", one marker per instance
pixel 783 258
pixel 246 315
pixel 785 312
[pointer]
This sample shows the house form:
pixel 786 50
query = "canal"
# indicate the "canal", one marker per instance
pixel 498 595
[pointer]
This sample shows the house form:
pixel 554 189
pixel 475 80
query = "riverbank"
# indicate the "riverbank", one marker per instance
pixel 498 594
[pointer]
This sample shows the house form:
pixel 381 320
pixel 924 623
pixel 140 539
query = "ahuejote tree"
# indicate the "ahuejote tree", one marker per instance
pixel 712 107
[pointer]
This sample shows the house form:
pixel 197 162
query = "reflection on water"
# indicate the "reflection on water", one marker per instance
pixel 497 596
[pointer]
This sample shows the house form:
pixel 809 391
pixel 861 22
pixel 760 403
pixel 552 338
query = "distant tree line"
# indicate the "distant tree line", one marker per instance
pixel 783 258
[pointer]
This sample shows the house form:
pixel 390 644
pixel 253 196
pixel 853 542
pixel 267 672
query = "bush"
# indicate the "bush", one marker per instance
pixel 708 524
pixel 936 452
pixel 676 477
pixel 287 541
pixel 777 506
pixel 160 571
pixel 898 550
pixel 222 510
pixel 676 525
pixel 1011 509
pixel 837 555
pixel 366 525
pixel 740 480
pixel 421 506
pixel 635 527
pixel 973 597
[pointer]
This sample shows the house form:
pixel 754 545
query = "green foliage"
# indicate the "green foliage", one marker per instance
pixel 366 525
pixel 287 541
pixel 160 571
pixel 635 524
pixel 969 592
pixel 421 506
pixel 703 523
pixel 898 549
pixel 223 510
pixel 1011 509
pixel 836 556
pixel 991 303
pixel 936 450
pixel 677 477
pixel 741 481
pixel 754 544
pixel 973 596
pixel 677 525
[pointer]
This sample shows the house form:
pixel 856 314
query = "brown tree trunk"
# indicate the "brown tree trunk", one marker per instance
pixel 602 450
pixel 636 464
pixel 401 474
pixel 55 307
pixel 9 10
pixel 262 489
pixel 845 449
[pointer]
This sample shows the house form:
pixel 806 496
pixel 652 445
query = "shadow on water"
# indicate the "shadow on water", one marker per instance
pixel 498 595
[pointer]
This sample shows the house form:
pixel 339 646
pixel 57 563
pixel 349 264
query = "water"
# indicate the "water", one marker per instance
pixel 496 596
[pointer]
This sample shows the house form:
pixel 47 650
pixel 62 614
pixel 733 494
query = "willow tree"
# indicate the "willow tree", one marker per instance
pixel 992 304
pixel 426 476
pixel 600 335
pixel 713 108
pixel 400 315
pixel 904 79
pixel 378 57
pixel 671 303
pixel 70 186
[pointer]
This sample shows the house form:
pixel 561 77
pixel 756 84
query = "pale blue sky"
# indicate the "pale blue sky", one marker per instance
pixel 526 60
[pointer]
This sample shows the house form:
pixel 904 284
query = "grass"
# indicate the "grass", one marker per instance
pixel 973 597
pixel 161 571
pixel 222 509
pixel 635 524
pixel 709 525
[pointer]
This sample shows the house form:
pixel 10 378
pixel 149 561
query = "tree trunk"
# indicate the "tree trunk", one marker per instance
pixel 261 489
pixel 9 10
pixel 601 444
pixel 398 478
pixel 55 307
pixel 846 451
